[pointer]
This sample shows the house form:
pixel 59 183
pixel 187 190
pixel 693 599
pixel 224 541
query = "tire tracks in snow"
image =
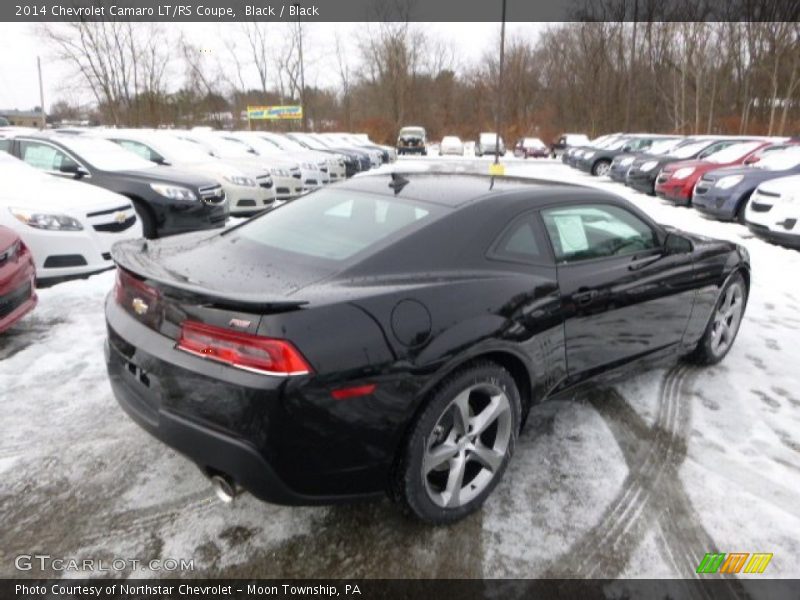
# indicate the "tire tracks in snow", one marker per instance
pixel 651 495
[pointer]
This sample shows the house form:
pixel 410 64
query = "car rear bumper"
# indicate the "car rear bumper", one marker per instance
pixel 275 437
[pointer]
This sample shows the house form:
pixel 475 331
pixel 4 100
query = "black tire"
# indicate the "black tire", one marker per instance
pixel 705 353
pixel 742 209
pixel 600 165
pixel 148 220
pixel 411 486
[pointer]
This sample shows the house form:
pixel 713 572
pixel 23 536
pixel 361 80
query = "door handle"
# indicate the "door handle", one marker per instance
pixel 584 298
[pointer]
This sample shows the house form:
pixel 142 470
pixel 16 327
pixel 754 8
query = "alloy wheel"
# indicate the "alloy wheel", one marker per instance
pixel 467 446
pixel 727 318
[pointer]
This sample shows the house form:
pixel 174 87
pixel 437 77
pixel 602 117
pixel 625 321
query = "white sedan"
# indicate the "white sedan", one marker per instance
pixel 773 212
pixel 451 144
pixel 248 191
pixel 69 226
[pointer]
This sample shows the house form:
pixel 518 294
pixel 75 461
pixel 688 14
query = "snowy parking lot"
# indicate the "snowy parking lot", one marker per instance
pixel 637 480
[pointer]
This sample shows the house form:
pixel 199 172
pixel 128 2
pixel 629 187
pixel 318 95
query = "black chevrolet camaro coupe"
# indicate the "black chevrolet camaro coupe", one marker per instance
pixel 390 333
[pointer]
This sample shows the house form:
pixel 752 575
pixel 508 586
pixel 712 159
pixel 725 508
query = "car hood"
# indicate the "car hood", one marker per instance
pixel 54 192
pixel 168 175
pixel 782 185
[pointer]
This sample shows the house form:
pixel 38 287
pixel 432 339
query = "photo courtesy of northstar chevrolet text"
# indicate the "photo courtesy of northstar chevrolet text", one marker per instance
pixel 353 299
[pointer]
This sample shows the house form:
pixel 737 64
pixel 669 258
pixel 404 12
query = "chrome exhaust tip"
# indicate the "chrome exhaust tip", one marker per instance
pixel 224 488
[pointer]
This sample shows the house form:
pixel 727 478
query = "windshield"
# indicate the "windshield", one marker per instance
pixel 336 224
pixel 733 153
pixel 283 142
pixel 417 131
pixel 615 145
pixel 221 147
pixel 262 145
pixel 664 146
pixel 690 150
pixel 180 150
pixel 104 154
pixel 779 161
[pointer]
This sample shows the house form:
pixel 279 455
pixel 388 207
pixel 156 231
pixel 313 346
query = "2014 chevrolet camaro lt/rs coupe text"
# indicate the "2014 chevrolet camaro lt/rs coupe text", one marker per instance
pixel 390 333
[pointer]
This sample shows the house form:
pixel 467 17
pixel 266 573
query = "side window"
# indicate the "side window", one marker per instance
pixel 520 242
pixel 144 151
pixel 44 156
pixel 592 231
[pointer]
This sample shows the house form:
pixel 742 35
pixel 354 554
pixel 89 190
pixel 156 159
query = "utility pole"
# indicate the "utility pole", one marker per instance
pixel 498 120
pixel 302 71
pixel 41 91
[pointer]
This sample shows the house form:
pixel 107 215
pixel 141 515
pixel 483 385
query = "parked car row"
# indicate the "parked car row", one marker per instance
pixel 749 179
pixel 70 195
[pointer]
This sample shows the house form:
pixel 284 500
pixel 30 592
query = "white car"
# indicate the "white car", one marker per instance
pixel 335 162
pixel 249 191
pixel 488 144
pixel 285 172
pixel 69 226
pixel 451 144
pixel 312 174
pixel 773 212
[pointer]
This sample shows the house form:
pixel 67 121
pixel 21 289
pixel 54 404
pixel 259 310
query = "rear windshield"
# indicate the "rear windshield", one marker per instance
pixel 337 224
pixel 417 131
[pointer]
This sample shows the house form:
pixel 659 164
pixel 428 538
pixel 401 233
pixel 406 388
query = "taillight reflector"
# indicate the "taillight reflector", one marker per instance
pixel 353 392
pixel 242 350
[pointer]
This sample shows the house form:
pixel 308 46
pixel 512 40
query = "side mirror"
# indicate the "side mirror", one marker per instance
pixel 627 148
pixel 751 160
pixel 677 244
pixel 161 161
pixel 73 169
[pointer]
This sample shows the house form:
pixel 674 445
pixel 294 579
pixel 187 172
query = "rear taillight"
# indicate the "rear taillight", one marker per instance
pixel 242 350
pixel 138 298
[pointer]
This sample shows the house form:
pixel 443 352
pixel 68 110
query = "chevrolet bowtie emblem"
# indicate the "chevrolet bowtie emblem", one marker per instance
pixel 120 217
pixel 139 306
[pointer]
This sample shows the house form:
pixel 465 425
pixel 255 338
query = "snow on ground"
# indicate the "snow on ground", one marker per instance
pixel 638 480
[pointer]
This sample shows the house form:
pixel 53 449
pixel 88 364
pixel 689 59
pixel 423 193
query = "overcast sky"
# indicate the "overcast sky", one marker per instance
pixel 20 45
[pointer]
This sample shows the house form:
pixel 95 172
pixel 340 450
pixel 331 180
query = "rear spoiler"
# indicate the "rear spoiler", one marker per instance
pixel 177 286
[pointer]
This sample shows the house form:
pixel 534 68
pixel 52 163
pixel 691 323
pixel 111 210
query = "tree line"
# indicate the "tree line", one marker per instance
pixel 739 77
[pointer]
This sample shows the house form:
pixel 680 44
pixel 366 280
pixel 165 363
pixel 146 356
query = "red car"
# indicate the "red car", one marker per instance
pixel 531 147
pixel 677 180
pixel 17 279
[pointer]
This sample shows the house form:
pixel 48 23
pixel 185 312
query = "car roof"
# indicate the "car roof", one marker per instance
pixel 455 190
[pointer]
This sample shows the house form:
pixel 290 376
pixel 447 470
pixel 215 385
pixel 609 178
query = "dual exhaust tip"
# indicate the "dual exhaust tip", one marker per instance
pixel 224 488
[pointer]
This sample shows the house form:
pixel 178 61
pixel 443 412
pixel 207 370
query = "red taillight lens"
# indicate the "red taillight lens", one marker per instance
pixel 138 298
pixel 242 350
